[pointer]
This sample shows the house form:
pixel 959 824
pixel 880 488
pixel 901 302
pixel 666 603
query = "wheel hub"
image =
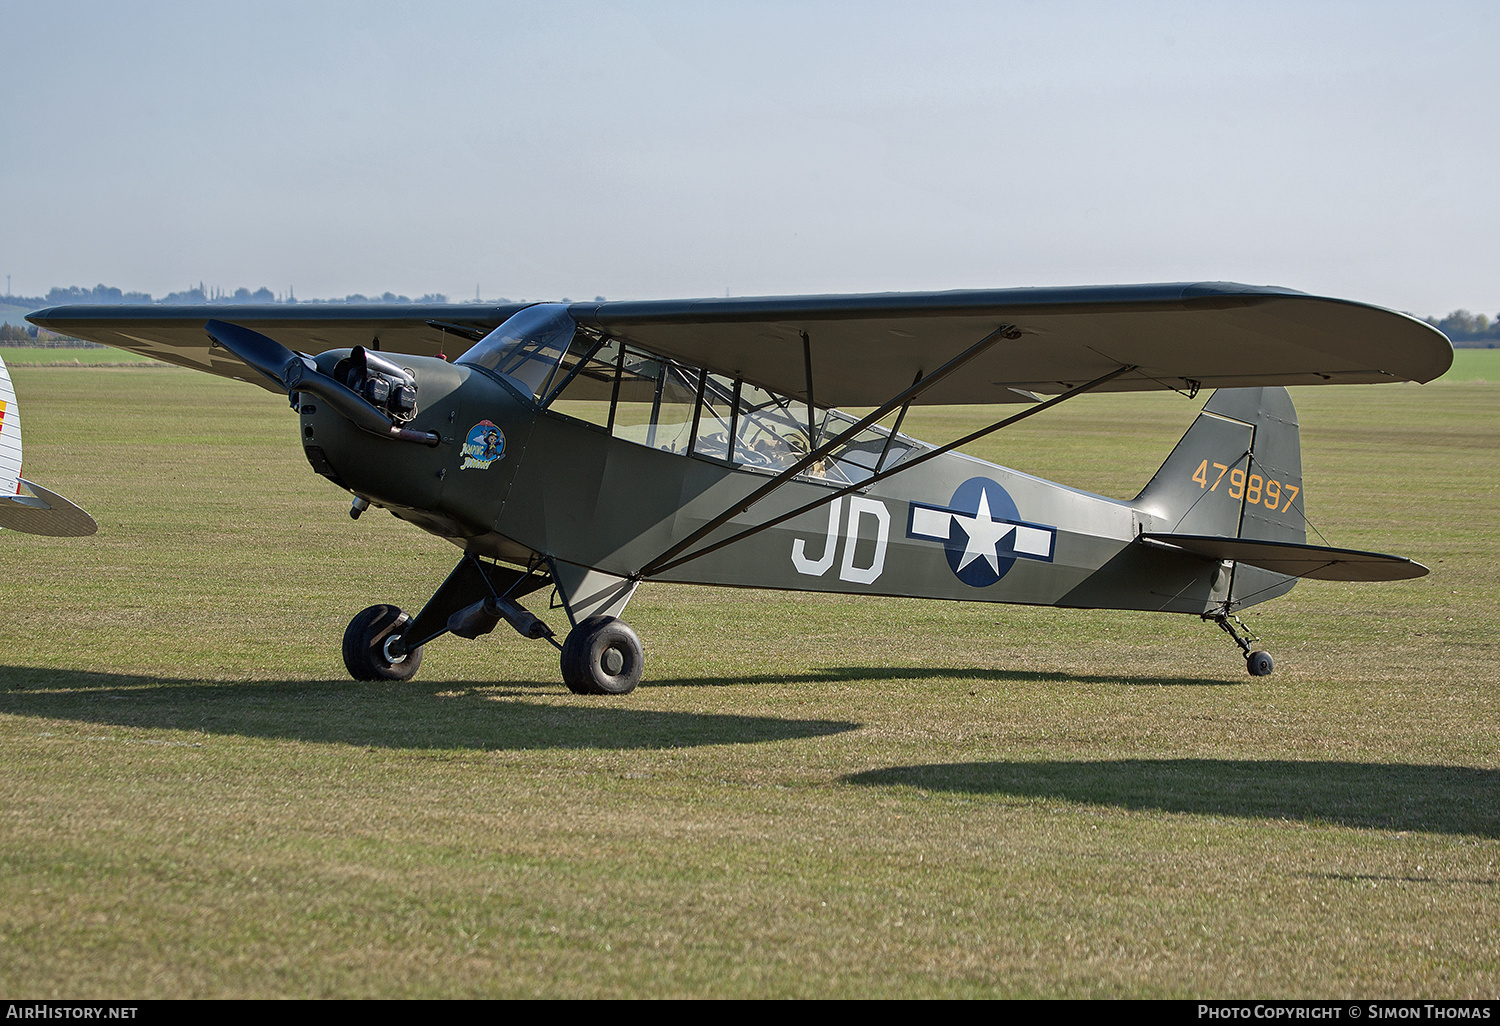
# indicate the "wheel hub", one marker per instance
pixel 613 661
pixel 393 651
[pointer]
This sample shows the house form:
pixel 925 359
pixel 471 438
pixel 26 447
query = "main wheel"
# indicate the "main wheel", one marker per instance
pixel 368 646
pixel 1259 664
pixel 602 656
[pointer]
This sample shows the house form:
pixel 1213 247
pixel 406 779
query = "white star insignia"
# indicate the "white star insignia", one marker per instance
pixel 985 534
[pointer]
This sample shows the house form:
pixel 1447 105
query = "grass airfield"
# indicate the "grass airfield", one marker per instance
pixel 809 796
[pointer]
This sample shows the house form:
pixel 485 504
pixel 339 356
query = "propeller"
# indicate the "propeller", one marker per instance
pixel 296 372
pixel 261 352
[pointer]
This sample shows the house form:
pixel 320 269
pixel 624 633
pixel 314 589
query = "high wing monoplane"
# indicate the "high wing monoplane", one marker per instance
pixel 591 447
pixel 25 505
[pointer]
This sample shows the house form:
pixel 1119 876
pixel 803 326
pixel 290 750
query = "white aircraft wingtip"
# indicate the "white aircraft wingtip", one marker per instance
pixel 36 510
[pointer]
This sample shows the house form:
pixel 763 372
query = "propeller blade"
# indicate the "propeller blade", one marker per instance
pixel 262 353
pixel 293 372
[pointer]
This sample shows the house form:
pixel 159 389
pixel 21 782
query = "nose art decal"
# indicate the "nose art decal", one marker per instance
pixel 484 445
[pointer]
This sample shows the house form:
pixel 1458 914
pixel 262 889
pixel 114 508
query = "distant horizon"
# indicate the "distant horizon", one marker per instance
pixel 663 149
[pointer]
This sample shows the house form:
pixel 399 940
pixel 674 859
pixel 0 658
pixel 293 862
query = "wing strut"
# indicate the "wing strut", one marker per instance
pixel 663 563
pixel 895 430
pixel 1005 331
pixel 807 362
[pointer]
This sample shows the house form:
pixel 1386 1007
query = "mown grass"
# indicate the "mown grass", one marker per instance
pixel 52 356
pixel 1474 365
pixel 810 796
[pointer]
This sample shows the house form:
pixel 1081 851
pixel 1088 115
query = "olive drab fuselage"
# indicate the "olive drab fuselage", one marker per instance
pixel 519 483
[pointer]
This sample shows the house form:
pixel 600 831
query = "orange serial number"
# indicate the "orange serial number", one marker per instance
pixel 1263 491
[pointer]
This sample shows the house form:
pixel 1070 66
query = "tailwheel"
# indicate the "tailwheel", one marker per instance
pixel 1257 661
pixel 602 656
pixel 373 648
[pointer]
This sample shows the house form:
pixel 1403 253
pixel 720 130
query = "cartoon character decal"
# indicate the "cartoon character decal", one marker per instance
pixel 484 445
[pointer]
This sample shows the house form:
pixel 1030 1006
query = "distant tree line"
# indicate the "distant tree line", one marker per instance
pixel 1466 329
pixel 109 295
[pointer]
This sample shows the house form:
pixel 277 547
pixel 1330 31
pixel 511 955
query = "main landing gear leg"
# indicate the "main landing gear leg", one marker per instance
pixel 602 655
pixel 385 643
pixel 1257 662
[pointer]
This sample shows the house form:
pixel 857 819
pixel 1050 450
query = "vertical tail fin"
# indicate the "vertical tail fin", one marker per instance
pixel 1236 473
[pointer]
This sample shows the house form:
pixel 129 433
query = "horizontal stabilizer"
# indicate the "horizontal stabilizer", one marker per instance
pixel 1314 562
pixel 35 510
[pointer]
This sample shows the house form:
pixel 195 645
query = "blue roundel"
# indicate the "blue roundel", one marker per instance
pixel 980 530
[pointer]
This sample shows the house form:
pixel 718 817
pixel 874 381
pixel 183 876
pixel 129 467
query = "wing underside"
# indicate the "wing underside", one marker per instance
pixel 37 510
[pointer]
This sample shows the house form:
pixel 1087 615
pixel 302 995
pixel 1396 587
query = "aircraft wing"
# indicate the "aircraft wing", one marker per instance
pixel 37 510
pixel 867 348
pixel 176 334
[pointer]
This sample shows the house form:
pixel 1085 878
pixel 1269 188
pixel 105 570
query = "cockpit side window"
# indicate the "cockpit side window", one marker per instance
pixel 716 416
pixel 666 405
pixel 655 402
pixel 586 392
pixel 768 434
pixel 861 456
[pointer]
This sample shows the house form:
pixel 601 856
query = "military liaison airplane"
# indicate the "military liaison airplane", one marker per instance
pixel 590 447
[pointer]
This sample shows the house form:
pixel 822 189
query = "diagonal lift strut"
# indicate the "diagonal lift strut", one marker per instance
pixel 661 562
pixel 665 561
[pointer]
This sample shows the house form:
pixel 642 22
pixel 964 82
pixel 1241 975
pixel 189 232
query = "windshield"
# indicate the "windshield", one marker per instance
pixel 527 348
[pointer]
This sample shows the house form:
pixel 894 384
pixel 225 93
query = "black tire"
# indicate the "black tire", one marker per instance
pixel 365 646
pixel 1259 664
pixel 602 656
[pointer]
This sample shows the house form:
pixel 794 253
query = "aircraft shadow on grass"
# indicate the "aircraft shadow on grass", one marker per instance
pixel 1372 796
pixel 842 674
pixel 454 714
pixel 450 714
pixel 486 716
pixel 444 715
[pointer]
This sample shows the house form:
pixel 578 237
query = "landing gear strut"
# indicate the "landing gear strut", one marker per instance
pixel 1257 662
pixel 601 656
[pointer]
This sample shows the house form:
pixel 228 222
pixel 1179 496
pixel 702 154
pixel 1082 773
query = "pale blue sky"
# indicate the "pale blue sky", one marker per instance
pixel 641 150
